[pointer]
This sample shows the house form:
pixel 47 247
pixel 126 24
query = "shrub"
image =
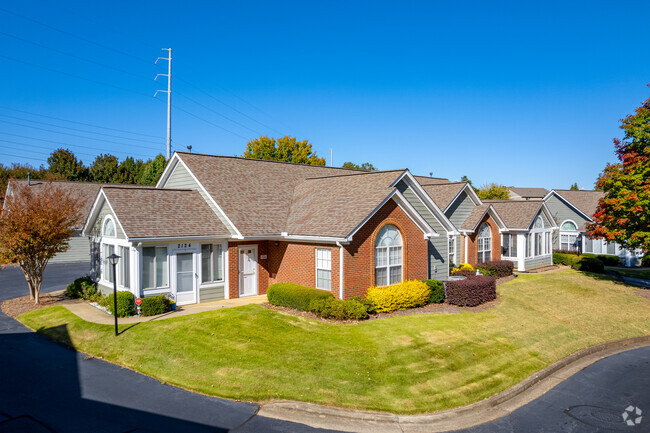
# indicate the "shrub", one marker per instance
pixel 75 288
pixel 125 304
pixel 496 268
pixel 153 305
pixel 472 291
pixel 607 259
pixel 436 291
pixel 337 309
pixel 645 261
pixel 367 303
pixel 588 264
pixel 294 296
pixel 565 259
pixel 464 273
pixel 572 252
pixel 407 294
pixel 462 267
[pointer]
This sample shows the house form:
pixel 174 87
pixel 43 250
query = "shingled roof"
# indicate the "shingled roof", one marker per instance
pixel 148 212
pixel 268 197
pixel 537 193
pixel 443 193
pixel 516 214
pixel 585 200
pixel 83 192
pixel 426 180
pixel 474 217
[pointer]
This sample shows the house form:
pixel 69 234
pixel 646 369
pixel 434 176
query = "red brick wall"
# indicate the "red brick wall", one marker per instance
pixel 359 256
pixel 472 244
pixel 289 262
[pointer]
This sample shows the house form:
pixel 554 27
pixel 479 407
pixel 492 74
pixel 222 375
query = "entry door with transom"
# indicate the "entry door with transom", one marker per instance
pixel 185 292
pixel 248 270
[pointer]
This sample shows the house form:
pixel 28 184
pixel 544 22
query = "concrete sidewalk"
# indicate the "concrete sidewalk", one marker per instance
pixel 87 312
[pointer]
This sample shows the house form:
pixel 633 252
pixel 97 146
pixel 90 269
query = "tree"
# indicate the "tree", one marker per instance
pixel 152 170
pixel 286 149
pixel 366 166
pixel 35 226
pixel 574 187
pixel 493 191
pixel 126 171
pixel 104 168
pixel 65 163
pixel 623 214
pixel 466 179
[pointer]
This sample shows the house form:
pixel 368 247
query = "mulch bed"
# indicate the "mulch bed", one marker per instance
pixel 17 306
pixel 545 269
pixel 644 293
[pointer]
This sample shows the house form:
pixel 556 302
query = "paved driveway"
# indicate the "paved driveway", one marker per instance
pixel 45 387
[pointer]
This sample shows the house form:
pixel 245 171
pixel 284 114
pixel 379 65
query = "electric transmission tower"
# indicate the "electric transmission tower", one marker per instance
pixel 169 97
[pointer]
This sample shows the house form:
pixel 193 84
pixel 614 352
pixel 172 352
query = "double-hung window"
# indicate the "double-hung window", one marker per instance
pixel 388 256
pixel 324 268
pixel 108 267
pixel 452 250
pixel 154 267
pixel 484 243
pixel 125 267
pixel 212 265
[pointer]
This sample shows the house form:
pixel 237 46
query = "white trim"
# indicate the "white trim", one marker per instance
pixel 567 202
pixel 316 268
pixel 103 224
pixel 115 214
pixel 224 247
pixel 414 215
pixel 257 265
pixel 367 218
pixel 238 233
pixel 167 172
pixel 472 195
pixel 196 238
pixel 466 246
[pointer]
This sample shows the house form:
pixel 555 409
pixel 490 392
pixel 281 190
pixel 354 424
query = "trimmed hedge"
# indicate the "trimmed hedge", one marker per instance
pixel 125 304
pixel 588 264
pixel 407 294
pixel 367 303
pixel 76 288
pixel 294 295
pixel 471 291
pixel 565 259
pixel 153 305
pixel 607 259
pixel 436 291
pixel 497 268
pixel 336 309
pixel 572 252
pixel 463 273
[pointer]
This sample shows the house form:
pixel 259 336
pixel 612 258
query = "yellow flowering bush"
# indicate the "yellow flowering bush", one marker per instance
pixel 407 294
pixel 462 267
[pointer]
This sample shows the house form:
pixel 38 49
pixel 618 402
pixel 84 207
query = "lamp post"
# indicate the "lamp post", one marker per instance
pixel 114 258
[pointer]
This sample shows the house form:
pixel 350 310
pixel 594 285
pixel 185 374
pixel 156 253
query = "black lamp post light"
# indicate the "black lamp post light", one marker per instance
pixel 114 258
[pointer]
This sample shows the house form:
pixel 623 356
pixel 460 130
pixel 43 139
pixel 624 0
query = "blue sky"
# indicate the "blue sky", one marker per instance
pixel 518 93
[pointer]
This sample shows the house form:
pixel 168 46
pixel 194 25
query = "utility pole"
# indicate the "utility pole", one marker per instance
pixel 169 97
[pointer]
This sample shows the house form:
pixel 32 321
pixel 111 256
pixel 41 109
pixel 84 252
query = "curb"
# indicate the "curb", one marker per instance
pixel 497 406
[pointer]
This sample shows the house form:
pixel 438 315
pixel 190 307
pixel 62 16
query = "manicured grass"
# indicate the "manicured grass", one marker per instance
pixel 408 364
pixel 632 272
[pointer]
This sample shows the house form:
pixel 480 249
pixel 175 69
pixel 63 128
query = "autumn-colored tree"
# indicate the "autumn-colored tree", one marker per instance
pixel 493 191
pixel 623 214
pixel 286 149
pixel 34 227
pixel 366 166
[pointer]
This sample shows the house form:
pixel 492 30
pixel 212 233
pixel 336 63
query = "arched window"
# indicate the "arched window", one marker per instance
pixel 484 243
pixel 569 226
pixel 539 223
pixel 388 256
pixel 109 228
pixel 569 236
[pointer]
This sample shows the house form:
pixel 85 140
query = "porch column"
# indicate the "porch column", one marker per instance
pixel 521 252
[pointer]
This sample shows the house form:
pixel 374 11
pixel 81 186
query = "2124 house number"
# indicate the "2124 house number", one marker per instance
pixel 184 245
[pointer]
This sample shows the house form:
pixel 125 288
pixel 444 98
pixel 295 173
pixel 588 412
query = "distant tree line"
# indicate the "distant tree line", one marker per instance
pixel 106 168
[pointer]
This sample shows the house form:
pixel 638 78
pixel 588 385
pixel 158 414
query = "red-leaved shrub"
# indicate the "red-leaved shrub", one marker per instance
pixel 496 268
pixel 471 291
pixel 464 273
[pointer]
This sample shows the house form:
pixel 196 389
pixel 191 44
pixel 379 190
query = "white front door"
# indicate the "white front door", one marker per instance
pixel 248 270
pixel 185 279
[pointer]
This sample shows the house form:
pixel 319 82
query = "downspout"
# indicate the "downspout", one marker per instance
pixel 340 269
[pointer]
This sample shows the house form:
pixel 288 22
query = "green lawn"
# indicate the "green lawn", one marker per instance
pixel 632 272
pixel 409 364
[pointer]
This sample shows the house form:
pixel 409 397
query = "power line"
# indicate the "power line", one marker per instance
pixel 75 135
pixel 58 143
pixel 79 130
pixel 74 56
pixel 229 106
pixel 23 157
pixel 208 122
pixel 80 123
pixel 42 147
pixel 74 36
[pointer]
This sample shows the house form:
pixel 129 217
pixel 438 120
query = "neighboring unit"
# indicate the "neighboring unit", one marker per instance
pixel 527 193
